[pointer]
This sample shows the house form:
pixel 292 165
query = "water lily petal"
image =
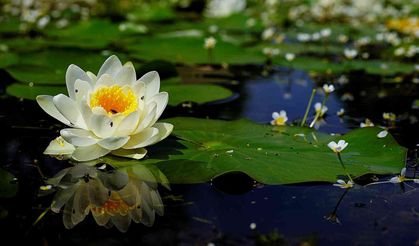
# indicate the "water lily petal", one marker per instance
pixel 332 145
pixel 62 197
pixel 92 77
pixel 126 76
pixel 111 66
pixel 81 89
pixel 113 143
pixel 101 124
pixel 164 131
pixel 142 139
pixel 128 124
pixel 105 80
pixel 59 147
pixel 97 193
pixel 147 118
pixel 89 153
pixel 139 89
pixel 275 115
pixel 79 137
pixel 121 222
pixel 157 202
pixel 130 153
pixel 101 218
pixel 152 83
pixel 161 100
pixel 74 73
pixel 47 104
pixel 68 108
pixel 403 172
pixel 395 180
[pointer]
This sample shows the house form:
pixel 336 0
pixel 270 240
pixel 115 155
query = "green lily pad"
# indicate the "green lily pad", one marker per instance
pixel 271 155
pixel 30 92
pixel 201 93
pixel 8 187
pixel 191 50
pixel 48 67
pixel 7 59
pixel 178 93
pixel 85 34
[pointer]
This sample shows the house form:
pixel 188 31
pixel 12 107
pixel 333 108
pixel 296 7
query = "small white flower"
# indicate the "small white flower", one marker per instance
pixel 367 123
pixel 399 51
pixel 382 134
pixel 389 116
pixel 344 185
pixel 319 109
pixel 270 52
pixel 279 119
pixel 337 147
pixel 252 226
pixel 210 43
pixel 315 36
pixel 289 56
pixel 303 37
pixel 399 178
pixel 268 33
pixel 325 32
pixel 328 88
pixel 111 112
pixel 224 8
pixel 343 38
pixel 341 112
pixel 350 53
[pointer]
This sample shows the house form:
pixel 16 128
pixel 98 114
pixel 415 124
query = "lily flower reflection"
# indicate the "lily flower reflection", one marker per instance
pixel 115 198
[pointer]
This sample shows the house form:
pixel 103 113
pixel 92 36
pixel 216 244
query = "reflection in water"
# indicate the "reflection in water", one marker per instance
pixel 114 197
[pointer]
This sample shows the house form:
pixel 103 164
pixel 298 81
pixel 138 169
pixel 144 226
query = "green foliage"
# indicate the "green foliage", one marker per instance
pixel 8 186
pixel 271 155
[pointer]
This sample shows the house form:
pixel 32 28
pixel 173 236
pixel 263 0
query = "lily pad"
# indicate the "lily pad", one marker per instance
pixel 191 50
pixel 30 92
pixel 271 155
pixel 8 187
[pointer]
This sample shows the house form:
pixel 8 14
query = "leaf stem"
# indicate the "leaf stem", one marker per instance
pixel 318 114
pixel 344 168
pixel 313 92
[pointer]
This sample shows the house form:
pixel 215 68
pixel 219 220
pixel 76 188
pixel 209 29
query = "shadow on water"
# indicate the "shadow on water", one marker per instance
pixel 232 209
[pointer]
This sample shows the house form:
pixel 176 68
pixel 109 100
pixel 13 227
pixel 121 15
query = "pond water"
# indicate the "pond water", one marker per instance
pixel 232 209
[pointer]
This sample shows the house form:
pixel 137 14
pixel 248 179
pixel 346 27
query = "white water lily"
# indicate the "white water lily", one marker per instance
pixel 319 109
pixel 328 88
pixel 337 147
pixel 367 123
pixel 111 112
pixel 350 53
pixel 210 43
pixel 399 178
pixel 341 112
pixel 344 185
pixel 279 119
pixel 289 57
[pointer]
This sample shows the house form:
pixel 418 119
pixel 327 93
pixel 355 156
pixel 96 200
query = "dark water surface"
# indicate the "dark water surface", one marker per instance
pixel 222 211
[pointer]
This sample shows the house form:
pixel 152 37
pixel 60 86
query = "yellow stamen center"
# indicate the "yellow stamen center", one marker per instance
pixel 280 121
pixel 114 99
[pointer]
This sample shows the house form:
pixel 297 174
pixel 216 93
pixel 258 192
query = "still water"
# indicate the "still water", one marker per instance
pixel 231 209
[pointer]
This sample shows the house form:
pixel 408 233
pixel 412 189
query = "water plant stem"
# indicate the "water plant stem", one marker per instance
pixel 344 168
pixel 210 56
pixel 313 92
pixel 318 114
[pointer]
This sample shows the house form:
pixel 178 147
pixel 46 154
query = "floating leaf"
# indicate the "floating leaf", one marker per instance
pixel 30 92
pixel 8 187
pixel 7 59
pixel 190 50
pixel 271 155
